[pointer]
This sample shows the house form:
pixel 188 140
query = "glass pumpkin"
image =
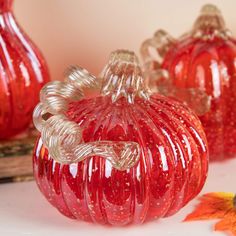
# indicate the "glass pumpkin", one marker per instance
pixel 124 156
pixel 199 68
pixel 23 72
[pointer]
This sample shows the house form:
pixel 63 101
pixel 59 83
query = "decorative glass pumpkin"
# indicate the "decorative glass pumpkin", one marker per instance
pixel 199 68
pixel 124 156
pixel 23 73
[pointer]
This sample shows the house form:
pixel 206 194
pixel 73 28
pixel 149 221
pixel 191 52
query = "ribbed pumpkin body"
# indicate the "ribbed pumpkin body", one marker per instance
pixel 171 171
pixel 23 72
pixel 209 65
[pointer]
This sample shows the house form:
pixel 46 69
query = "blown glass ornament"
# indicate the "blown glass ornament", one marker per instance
pixel 199 68
pixel 124 156
pixel 23 73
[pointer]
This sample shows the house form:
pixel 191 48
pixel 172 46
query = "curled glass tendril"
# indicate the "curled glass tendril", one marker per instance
pixel 153 51
pixel 62 137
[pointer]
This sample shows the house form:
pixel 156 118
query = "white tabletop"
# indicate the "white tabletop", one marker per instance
pixel 24 211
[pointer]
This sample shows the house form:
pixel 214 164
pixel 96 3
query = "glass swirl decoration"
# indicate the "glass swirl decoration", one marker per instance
pixel 124 156
pixel 199 69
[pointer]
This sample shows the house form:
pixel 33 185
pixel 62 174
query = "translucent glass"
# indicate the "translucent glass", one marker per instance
pixel 23 72
pixel 162 142
pixel 199 69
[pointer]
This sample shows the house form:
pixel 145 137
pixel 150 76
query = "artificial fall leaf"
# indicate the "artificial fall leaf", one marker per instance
pixel 217 206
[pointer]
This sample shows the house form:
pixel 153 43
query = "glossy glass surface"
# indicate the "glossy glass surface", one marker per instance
pixel 199 69
pixel 210 66
pixel 23 72
pixel 171 170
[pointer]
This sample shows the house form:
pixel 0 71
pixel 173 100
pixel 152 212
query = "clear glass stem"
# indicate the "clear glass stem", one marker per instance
pixel 63 137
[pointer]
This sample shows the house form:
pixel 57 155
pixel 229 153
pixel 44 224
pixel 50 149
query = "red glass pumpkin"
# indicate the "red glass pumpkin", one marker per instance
pixel 23 72
pixel 202 71
pixel 140 156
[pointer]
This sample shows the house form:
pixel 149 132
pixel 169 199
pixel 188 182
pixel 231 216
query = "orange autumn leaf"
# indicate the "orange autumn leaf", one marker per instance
pixel 220 206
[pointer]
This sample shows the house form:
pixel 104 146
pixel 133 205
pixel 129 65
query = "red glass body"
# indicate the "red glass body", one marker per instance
pixel 210 66
pixel 171 171
pixel 23 72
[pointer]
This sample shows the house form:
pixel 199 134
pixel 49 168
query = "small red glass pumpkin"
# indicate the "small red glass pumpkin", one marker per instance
pixel 125 156
pixel 23 72
pixel 199 68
